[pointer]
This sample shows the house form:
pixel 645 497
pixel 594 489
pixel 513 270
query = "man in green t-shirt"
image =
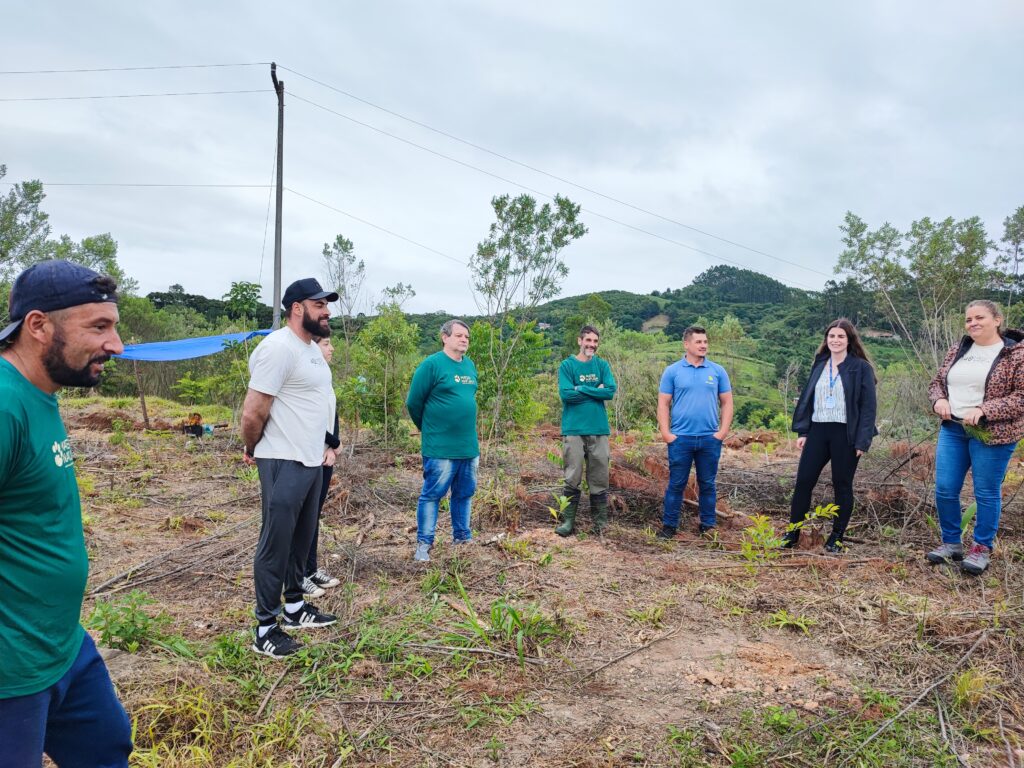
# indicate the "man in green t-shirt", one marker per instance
pixel 55 694
pixel 442 404
pixel 585 383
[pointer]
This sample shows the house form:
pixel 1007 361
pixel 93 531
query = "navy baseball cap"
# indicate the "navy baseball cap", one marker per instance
pixel 52 285
pixel 307 288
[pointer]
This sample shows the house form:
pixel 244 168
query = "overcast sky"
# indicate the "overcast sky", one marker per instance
pixel 760 123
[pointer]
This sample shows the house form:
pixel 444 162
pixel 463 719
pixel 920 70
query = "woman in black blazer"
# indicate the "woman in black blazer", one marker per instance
pixel 834 421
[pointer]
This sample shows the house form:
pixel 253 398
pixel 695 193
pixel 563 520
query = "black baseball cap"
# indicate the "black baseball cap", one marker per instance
pixel 306 288
pixel 52 285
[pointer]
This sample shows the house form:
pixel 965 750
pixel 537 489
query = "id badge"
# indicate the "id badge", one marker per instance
pixel 830 401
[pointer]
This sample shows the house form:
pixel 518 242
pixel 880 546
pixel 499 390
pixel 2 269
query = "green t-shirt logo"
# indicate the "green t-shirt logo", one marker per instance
pixel 62 454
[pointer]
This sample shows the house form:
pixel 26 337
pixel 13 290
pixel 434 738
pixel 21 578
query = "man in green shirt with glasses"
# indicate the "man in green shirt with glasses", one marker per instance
pixel 442 404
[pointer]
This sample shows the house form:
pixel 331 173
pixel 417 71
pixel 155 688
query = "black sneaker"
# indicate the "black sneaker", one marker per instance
pixel 835 546
pixel 275 644
pixel 667 532
pixel 702 529
pixel 307 617
pixel 790 540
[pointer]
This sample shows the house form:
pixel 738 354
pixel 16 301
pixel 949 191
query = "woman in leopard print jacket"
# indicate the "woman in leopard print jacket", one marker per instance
pixel 979 395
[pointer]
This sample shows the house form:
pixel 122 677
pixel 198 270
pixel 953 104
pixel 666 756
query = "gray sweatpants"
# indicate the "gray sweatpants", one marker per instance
pixel 291 492
pixel 594 450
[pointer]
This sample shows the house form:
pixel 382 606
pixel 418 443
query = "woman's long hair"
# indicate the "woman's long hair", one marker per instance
pixel 855 348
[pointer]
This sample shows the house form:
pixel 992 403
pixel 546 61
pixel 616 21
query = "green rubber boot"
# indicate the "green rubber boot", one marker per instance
pixel 569 514
pixel 599 511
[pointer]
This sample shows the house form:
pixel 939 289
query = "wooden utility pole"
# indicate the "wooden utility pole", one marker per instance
pixel 279 87
pixel 142 394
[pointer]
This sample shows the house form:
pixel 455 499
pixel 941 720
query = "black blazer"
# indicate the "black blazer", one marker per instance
pixel 332 438
pixel 858 379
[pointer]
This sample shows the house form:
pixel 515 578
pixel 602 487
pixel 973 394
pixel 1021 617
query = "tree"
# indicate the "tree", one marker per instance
pixel 516 267
pixel 344 275
pixel 742 285
pixel 25 238
pixel 592 310
pixel 849 299
pixel 516 407
pixel 729 341
pixel 98 253
pixel 243 300
pixel 396 294
pixel 1011 253
pixel 387 339
pixel 637 369
pixel 24 227
pixel 924 277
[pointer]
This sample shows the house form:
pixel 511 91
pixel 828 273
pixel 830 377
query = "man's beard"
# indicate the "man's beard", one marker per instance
pixel 313 327
pixel 63 374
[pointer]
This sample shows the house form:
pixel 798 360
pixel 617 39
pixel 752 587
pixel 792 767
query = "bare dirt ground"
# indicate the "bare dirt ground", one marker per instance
pixel 528 649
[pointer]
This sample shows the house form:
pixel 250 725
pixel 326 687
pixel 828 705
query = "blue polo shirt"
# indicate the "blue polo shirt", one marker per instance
pixel 695 390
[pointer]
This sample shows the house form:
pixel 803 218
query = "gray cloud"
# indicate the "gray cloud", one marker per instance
pixel 761 123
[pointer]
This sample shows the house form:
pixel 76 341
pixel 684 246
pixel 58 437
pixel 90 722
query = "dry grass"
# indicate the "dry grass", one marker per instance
pixel 548 652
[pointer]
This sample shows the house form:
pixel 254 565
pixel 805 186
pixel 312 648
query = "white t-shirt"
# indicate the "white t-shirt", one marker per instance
pixel 966 379
pixel 298 377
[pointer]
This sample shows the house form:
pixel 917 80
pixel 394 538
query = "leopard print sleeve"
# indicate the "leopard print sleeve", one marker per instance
pixel 937 387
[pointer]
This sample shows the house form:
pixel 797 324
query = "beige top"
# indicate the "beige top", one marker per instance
pixel 966 379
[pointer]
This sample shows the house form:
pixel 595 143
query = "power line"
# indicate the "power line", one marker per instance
pixel 679 243
pixel 406 141
pixel 129 69
pixel 251 186
pixel 136 184
pixel 412 121
pixel 134 95
pixel 375 226
pixel 541 171
pixel 266 223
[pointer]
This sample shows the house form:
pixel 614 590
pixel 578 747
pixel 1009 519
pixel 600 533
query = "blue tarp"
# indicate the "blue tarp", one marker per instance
pixel 185 349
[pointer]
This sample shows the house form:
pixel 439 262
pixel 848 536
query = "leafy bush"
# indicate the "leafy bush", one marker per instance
pixel 123 624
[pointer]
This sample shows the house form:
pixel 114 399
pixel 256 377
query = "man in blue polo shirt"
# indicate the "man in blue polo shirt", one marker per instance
pixel 691 392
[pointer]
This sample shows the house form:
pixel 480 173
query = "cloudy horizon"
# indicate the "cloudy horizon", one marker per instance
pixel 761 125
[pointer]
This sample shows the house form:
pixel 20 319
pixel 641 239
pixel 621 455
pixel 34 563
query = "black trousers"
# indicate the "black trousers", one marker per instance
pixel 826 443
pixel 311 564
pixel 290 493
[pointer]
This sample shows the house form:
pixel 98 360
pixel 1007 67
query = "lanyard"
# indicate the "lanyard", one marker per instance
pixel 832 381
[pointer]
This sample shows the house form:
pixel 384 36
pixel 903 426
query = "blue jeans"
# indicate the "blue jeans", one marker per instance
pixel 78 721
pixel 684 451
pixel 440 475
pixel 954 455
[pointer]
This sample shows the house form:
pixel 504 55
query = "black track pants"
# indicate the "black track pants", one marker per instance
pixel 826 442
pixel 290 493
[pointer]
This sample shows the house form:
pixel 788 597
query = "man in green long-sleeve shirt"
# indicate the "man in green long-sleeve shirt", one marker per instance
pixel 585 382
pixel 442 404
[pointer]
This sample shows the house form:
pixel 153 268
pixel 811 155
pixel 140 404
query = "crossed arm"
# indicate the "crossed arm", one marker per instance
pixel 255 413
pixel 571 393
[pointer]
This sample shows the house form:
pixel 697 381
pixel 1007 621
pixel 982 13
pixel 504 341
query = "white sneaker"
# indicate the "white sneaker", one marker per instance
pixel 323 579
pixel 310 588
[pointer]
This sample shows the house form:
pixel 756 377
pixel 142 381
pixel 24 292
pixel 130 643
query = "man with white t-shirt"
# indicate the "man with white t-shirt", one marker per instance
pixel 287 411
